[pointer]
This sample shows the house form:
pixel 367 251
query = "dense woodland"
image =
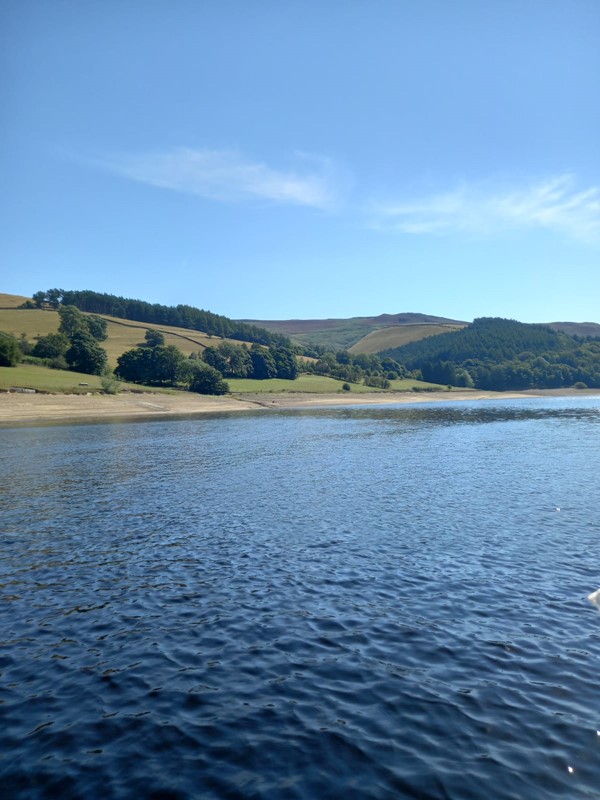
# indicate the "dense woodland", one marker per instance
pixel 502 354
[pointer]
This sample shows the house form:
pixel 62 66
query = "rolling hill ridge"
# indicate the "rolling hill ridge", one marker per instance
pixel 377 334
pixel 348 334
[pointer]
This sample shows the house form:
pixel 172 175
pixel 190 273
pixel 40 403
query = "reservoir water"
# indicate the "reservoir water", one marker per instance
pixel 373 602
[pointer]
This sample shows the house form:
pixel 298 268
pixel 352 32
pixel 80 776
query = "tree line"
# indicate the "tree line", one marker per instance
pixel 180 316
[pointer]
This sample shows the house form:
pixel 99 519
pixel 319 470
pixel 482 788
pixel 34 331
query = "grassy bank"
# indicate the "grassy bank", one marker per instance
pixel 58 381
pixel 320 384
pixel 42 379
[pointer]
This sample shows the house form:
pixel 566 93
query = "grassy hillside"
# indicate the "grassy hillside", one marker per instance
pixel 31 322
pixel 12 300
pixel 122 334
pixel 56 381
pixel 397 336
pixel 344 334
pixel 338 338
pixel 320 384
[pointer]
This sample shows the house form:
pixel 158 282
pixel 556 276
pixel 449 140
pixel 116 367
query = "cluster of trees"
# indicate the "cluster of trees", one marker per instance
pixel 76 345
pixel 260 363
pixel 447 373
pixel 157 364
pixel 502 354
pixel 181 316
pixel 365 368
pixel 154 364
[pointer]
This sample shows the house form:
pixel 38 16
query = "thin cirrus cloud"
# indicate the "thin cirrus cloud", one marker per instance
pixel 228 176
pixel 482 210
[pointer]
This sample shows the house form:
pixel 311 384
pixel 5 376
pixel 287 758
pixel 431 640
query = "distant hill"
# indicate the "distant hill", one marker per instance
pixel 576 328
pixel 384 332
pixel 349 334
pixel 494 353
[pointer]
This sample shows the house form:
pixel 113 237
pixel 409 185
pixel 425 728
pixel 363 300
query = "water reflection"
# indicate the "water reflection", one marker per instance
pixel 447 413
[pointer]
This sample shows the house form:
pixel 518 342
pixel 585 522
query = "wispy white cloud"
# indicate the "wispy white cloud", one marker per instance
pixel 482 209
pixel 228 176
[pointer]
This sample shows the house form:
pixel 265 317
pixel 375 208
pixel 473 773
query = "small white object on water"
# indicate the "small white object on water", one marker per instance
pixel 571 769
pixel 558 509
pixel 594 598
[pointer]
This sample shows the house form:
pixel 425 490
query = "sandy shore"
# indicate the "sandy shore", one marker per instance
pixel 70 407
pixel 44 408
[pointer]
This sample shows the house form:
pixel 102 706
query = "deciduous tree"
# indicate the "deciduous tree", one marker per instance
pixel 204 379
pixel 10 354
pixel 85 354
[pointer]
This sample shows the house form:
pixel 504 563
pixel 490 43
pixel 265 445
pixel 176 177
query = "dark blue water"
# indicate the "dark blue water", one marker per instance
pixel 348 603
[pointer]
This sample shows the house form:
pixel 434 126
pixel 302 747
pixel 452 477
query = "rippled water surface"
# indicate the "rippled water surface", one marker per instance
pixel 349 603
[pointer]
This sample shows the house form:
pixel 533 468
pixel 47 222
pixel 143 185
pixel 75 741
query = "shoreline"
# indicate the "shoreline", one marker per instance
pixel 28 409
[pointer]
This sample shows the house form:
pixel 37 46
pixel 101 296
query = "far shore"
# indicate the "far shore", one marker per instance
pixel 65 408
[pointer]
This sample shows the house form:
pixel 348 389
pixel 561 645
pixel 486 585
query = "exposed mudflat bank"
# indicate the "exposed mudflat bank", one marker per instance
pixel 48 408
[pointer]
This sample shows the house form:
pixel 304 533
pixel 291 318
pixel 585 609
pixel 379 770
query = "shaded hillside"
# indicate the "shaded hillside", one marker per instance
pixel 343 334
pixel 503 354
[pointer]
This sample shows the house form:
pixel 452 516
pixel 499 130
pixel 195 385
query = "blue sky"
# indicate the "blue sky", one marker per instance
pixel 327 158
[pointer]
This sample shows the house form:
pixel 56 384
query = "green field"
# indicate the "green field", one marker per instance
pixel 410 385
pixel 304 383
pixel 30 376
pixel 31 322
pixel 338 338
pixel 320 384
pixel 57 381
